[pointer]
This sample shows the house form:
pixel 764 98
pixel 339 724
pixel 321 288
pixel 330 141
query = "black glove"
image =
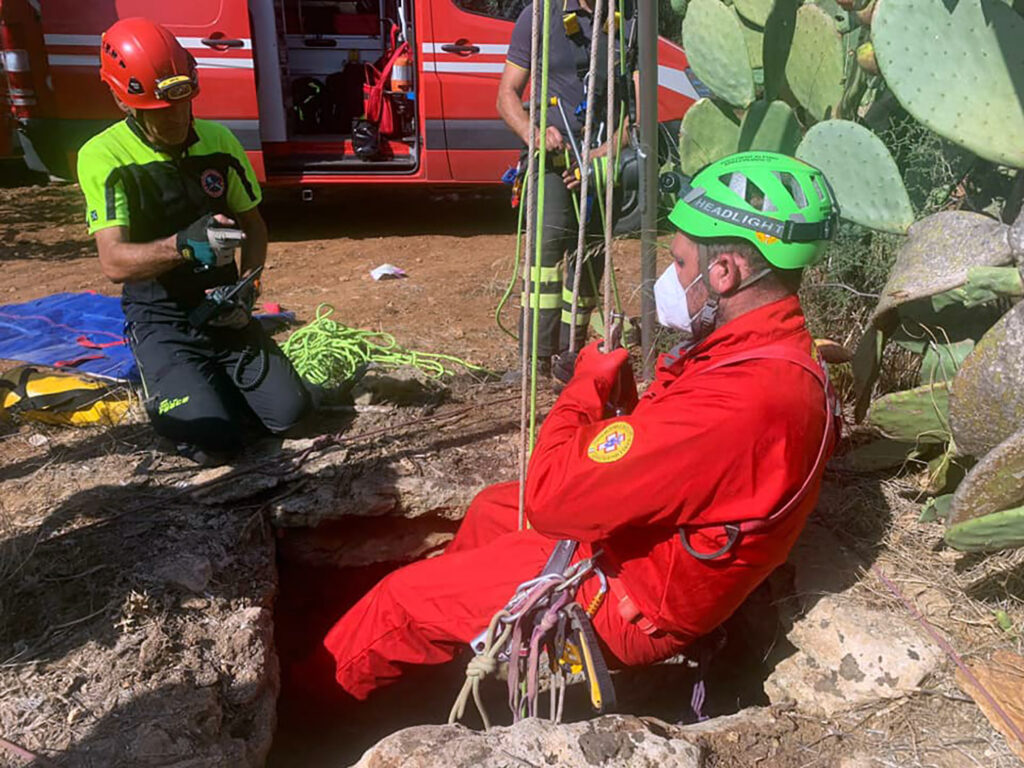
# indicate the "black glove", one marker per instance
pixel 208 242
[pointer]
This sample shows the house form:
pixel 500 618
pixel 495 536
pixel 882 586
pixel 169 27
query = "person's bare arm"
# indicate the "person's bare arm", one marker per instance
pixel 510 107
pixel 254 249
pixel 123 261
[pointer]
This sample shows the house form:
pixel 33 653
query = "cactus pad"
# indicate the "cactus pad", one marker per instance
pixel 984 285
pixel 754 11
pixel 877 455
pixel 918 415
pixel 815 69
pixel 770 126
pixel 987 400
pixel 716 50
pixel 778 38
pixel 996 482
pixel 1000 530
pixel 958 68
pixel 937 508
pixel 942 361
pixel 861 171
pixel 844 19
pixel 755 46
pixel 708 133
pixel 938 253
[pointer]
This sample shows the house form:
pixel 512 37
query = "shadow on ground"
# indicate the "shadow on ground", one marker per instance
pixel 377 212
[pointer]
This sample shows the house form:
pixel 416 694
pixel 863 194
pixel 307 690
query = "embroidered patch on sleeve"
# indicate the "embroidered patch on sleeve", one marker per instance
pixel 611 443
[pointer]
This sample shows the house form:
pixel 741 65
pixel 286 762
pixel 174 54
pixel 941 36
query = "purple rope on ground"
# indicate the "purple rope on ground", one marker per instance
pixel 948 649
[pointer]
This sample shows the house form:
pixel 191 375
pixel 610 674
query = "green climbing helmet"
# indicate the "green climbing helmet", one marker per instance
pixel 781 205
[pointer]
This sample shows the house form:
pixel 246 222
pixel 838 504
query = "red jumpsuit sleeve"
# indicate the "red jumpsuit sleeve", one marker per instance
pixel 712 443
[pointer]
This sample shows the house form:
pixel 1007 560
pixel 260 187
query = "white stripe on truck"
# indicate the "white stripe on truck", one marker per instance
pixel 489 49
pixel 464 67
pixel 94 41
pixel 67 60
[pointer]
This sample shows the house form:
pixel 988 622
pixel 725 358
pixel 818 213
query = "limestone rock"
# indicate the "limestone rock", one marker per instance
pixel 381 489
pixel 849 654
pixel 612 741
pixel 361 542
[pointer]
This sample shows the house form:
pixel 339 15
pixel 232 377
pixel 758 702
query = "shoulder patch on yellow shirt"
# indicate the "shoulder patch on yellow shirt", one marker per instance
pixel 611 443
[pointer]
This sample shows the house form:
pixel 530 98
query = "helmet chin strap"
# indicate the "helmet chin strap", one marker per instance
pixel 707 318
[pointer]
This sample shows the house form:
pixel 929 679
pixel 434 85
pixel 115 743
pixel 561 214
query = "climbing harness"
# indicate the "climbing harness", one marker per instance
pixel 542 624
pixel 53 397
pixel 329 354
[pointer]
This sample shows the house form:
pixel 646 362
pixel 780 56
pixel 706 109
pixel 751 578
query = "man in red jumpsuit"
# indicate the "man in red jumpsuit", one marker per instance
pixel 694 494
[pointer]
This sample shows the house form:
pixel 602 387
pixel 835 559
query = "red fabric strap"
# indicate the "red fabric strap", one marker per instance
pixel 88 343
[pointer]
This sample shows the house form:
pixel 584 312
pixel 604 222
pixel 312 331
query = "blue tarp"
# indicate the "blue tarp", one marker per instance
pixel 83 332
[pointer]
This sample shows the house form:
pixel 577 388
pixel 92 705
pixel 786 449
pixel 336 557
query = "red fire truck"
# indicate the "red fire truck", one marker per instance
pixel 283 74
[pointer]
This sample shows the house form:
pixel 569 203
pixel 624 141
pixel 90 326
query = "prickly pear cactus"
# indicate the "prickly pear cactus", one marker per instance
pixel 958 67
pixel 754 11
pixel 754 38
pixel 717 51
pixel 770 126
pixel 937 256
pixel 939 253
pixel 877 455
pixel 841 16
pixel 707 134
pixel 987 401
pixel 815 69
pixel 919 415
pixel 778 39
pixel 1000 530
pixel 942 361
pixel 862 173
pixel 996 482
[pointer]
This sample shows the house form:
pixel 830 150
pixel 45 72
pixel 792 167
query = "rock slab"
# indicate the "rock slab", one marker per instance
pixel 612 741
pixel 849 654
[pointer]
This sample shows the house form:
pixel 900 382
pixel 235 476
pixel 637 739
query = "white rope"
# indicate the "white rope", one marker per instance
pixel 528 255
pixel 609 181
pixel 588 131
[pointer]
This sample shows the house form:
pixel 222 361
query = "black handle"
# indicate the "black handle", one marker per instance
pixel 320 42
pixel 460 48
pixel 223 42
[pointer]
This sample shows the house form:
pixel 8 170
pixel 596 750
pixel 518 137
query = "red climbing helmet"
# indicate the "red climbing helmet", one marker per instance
pixel 145 65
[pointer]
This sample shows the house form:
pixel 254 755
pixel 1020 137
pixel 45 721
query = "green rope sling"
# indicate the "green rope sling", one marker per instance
pixel 327 353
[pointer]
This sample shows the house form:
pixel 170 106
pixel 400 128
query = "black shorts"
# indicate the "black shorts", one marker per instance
pixel 209 387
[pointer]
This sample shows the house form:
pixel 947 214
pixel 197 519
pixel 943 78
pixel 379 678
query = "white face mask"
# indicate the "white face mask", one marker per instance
pixel 670 300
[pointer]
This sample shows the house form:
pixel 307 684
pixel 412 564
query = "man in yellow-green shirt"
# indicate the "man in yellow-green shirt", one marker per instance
pixel 169 200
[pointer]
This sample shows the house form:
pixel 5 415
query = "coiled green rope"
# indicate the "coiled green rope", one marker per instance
pixel 327 353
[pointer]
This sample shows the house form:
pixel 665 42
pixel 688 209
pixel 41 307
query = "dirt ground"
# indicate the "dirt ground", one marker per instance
pixel 116 585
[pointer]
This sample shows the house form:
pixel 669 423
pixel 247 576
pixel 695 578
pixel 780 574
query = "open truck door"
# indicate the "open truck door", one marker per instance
pixel 215 32
pixel 467 51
